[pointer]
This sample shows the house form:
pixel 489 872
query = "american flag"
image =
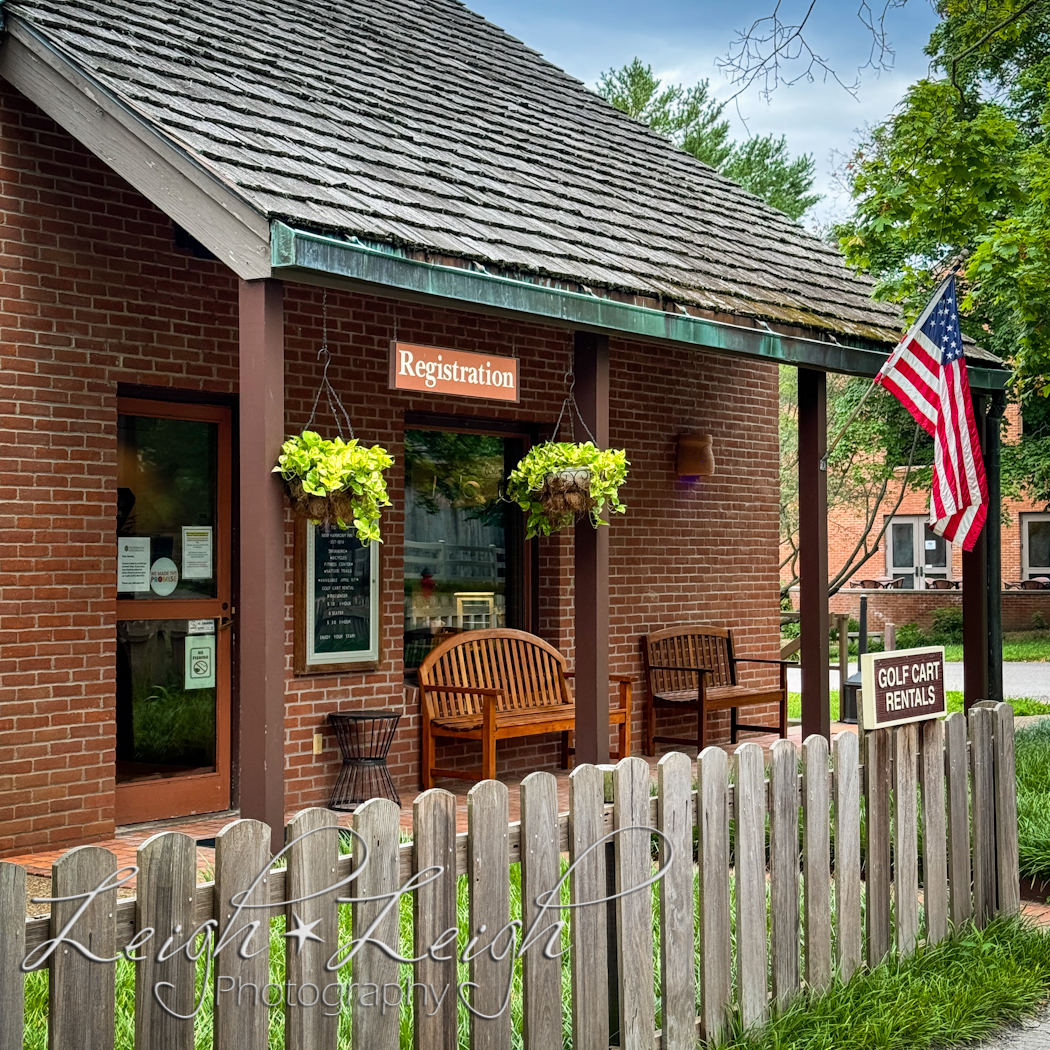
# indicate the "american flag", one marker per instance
pixel 926 373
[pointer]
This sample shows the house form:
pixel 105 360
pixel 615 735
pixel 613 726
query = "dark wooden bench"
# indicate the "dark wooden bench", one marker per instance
pixel 498 685
pixel 693 667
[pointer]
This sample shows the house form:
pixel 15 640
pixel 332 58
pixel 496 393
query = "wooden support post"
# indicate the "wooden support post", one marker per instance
pixel 993 531
pixel 975 598
pixel 842 629
pixel 260 607
pixel 813 552
pixel 591 368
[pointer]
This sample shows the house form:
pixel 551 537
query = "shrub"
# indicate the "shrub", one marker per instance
pixel 910 637
pixel 1039 621
pixel 947 626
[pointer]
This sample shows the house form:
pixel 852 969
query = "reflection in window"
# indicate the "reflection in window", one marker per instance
pixel 461 571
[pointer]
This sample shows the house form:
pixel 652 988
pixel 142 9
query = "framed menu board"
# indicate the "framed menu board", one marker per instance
pixel 336 601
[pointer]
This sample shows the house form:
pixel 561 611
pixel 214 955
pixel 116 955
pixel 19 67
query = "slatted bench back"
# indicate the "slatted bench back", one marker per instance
pixel 529 671
pixel 690 645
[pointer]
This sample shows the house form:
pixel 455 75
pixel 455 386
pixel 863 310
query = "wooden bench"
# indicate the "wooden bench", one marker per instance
pixel 693 667
pixel 498 685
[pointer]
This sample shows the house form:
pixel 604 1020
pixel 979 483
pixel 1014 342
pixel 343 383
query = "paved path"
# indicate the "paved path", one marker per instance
pixel 1019 679
pixel 1033 1034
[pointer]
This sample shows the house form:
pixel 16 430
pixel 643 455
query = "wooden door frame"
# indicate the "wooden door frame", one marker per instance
pixel 153 799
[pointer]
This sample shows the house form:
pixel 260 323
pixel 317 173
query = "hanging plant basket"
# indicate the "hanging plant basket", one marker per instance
pixel 337 483
pixel 558 482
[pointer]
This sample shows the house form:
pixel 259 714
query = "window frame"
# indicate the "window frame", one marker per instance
pixel 1027 570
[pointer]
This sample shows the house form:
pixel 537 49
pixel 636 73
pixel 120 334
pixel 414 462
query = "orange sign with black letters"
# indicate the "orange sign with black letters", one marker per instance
pixel 438 370
pixel 906 685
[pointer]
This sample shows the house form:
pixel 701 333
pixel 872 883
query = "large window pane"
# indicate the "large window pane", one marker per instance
pixel 1038 545
pixel 167 472
pixel 461 547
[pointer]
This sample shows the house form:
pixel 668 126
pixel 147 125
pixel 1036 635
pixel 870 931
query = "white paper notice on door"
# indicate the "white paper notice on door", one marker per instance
pixel 133 562
pixel 196 552
pixel 200 661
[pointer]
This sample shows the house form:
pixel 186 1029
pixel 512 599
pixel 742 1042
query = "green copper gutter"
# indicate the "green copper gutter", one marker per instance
pixel 296 251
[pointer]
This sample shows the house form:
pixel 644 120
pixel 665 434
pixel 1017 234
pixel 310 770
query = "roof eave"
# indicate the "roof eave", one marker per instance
pixel 159 167
pixel 304 254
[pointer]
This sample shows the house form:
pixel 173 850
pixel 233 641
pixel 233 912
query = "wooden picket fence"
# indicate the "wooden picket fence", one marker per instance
pixel 830 893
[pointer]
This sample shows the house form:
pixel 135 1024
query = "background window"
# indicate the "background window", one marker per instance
pixel 463 542
pixel 1035 545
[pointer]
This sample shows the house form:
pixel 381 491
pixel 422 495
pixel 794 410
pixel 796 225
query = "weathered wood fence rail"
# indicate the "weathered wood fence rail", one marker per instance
pixel 799 900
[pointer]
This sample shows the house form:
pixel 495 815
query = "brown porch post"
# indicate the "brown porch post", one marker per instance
pixel 260 613
pixel 591 368
pixel 975 595
pixel 813 552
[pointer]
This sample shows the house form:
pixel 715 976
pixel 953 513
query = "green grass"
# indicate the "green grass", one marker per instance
pixel 1033 799
pixel 957 992
pixel 1022 705
pixel 1019 647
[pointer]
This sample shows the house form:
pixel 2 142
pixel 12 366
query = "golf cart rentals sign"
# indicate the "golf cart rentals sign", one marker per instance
pixel 438 370
pixel 906 685
pixel 247 932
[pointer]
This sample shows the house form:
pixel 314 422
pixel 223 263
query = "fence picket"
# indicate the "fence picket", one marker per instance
pixel 848 934
pixel 488 860
pixel 877 847
pixel 816 861
pixel 906 839
pixel 1006 859
pixel 434 921
pixel 311 868
pixel 12 952
pixel 242 965
pixel 540 873
pixel 678 981
pixel 752 980
pixel 589 945
pixel 634 911
pixel 982 811
pixel 784 870
pixel 957 775
pixel 377 826
pixel 934 840
pixel 713 847
pixel 165 890
pixel 82 993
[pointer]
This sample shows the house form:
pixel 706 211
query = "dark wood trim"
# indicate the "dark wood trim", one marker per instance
pixel 167 175
pixel 813 552
pixel 179 395
pixel 261 612
pixel 591 552
pixel 140 800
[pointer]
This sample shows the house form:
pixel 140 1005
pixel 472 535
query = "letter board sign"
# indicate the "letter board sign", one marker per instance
pixel 436 370
pixel 906 685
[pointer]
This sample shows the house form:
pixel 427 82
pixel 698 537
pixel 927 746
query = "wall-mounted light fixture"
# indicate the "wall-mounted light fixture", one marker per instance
pixel 695 456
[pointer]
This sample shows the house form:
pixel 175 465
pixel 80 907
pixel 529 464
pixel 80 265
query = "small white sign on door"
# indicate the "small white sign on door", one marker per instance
pixel 133 562
pixel 196 552
pixel 931 545
pixel 200 661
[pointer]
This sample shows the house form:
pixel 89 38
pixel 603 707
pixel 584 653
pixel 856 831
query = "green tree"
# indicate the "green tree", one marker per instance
pixel 958 178
pixel 694 122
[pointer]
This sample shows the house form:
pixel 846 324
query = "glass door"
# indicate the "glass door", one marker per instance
pixel 173 610
pixel 916 554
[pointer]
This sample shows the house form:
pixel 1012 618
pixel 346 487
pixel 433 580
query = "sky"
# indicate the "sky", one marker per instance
pixel 682 40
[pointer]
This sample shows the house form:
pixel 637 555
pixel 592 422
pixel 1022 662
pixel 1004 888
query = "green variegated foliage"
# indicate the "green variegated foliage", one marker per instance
pixel 326 468
pixel 526 482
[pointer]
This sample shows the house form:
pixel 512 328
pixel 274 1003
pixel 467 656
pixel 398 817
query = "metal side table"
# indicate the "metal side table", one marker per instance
pixel 364 741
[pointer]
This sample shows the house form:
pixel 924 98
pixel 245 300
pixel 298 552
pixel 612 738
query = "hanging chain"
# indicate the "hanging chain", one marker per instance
pixel 569 406
pixel 325 387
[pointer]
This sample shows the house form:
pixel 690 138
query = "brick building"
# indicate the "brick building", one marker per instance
pixel 193 207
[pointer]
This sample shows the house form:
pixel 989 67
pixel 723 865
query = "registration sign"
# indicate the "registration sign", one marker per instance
pixel 906 685
pixel 438 370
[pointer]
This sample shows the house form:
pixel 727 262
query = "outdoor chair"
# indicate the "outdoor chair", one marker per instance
pixel 693 667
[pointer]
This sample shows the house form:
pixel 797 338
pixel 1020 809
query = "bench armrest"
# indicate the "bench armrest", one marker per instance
pixel 762 660
pixel 621 678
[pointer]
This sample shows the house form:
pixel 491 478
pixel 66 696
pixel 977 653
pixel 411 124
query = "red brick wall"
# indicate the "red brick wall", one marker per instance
pixel 93 293
pixel 900 607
